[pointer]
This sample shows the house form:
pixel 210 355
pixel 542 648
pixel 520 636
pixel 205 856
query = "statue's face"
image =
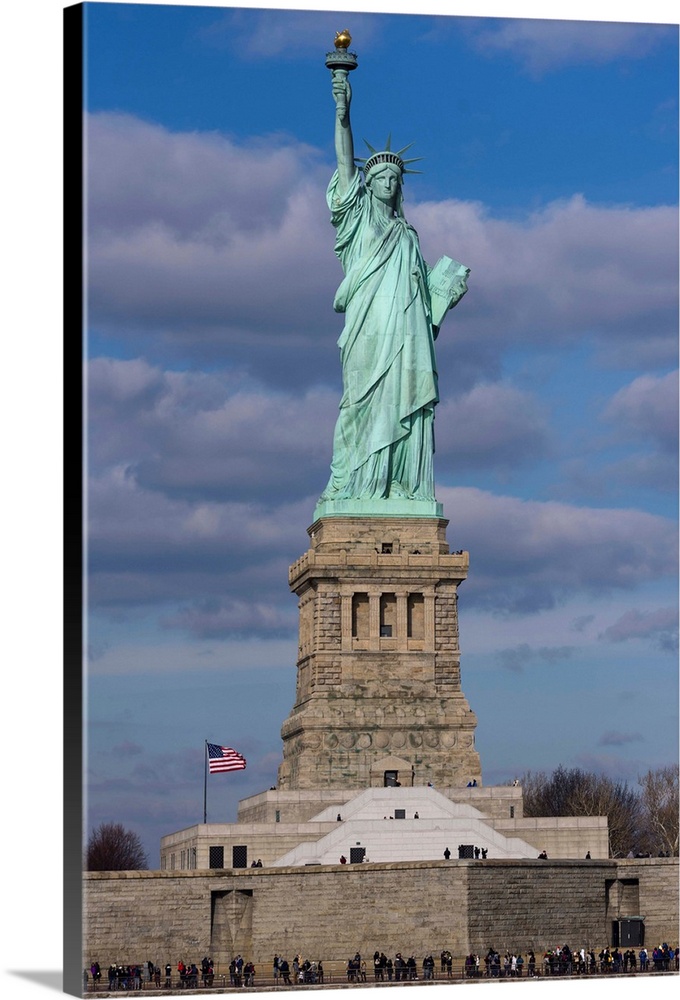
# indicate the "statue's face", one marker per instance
pixel 383 183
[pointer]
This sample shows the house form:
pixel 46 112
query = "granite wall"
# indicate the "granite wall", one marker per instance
pixel 331 911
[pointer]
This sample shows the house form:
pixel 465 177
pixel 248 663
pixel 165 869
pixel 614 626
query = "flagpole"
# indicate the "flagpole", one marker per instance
pixel 205 782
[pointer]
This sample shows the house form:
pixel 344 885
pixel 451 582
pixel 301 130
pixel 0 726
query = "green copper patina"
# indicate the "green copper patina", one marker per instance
pixel 393 304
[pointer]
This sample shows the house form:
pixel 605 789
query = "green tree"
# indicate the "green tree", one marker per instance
pixel 112 848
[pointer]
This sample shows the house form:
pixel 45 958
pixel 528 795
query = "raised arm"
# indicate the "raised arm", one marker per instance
pixel 344 142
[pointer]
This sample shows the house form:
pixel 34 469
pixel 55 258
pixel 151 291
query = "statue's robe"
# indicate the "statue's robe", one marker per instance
pixel 384 436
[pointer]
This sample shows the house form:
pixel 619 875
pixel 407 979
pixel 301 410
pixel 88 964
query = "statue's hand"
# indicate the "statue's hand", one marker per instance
pixel 342 94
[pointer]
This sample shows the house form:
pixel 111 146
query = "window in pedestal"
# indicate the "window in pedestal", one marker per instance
pixel 360 616
pixel 216 857
pixel 416 616
pixel 388 615
pixel 239 856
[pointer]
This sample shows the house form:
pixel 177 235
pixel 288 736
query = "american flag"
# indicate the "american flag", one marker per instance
pixel 224 759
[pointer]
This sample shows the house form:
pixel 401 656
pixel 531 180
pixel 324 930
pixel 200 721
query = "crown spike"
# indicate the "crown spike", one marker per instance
pixel 386 155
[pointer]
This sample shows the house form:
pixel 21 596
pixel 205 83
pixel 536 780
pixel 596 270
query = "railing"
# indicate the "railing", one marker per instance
pixel 541 970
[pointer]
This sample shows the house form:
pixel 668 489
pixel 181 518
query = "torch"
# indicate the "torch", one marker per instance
pixel 341 60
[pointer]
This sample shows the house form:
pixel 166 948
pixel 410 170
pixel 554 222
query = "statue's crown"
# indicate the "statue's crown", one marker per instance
pixel 386 155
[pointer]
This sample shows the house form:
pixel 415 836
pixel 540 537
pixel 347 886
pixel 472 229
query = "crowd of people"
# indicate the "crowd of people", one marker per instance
pixel 135 977
pixel 303 971
pixel 241 973
pixel 564 961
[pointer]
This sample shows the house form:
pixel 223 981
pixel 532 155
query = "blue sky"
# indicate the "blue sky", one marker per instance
pixel 550 168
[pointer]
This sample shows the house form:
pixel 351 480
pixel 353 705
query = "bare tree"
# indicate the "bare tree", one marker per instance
pixel 574 792
pixel 660 810
pixel 112 848
pixel 598 795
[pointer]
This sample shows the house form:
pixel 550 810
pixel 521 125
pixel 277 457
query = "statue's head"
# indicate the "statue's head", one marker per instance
pixel 384 184
pixel 384 173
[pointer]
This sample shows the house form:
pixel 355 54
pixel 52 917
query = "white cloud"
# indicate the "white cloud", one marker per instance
pixel 206 241
pixel 184 658
pixel 149 549
pixel 530 555
pixel 234 617
pixel 659 626
pixel 563 272
pixel 643 423
pixel 517 657
pixel 208 436
pixel 283 34
pixel 493 425
pixel 647 408
pixel 189 230
pixel 544 46
pixel 146 548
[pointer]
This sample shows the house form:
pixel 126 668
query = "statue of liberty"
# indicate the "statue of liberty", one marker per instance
pixel 393 304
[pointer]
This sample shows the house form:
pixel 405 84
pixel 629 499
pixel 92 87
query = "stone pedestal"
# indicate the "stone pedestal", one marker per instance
pixel 378 673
